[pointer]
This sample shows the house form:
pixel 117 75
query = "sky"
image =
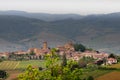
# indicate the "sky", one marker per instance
pixel 62 6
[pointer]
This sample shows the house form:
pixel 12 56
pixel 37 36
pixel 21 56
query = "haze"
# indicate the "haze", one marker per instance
pixel 62 6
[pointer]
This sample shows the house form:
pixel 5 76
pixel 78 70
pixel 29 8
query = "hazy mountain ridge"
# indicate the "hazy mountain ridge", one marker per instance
pixel 97 31
pixel 42 16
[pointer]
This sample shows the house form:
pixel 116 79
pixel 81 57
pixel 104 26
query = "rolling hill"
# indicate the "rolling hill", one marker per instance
pixel 42 16
pixel 100 32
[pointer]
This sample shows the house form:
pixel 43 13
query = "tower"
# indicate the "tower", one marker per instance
pixel 45 45
pixel 69 46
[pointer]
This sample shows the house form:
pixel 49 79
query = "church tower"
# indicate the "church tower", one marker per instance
pixel 45 45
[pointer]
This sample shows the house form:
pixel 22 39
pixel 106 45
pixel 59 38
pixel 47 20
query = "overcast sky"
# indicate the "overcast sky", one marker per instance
pixel 62 6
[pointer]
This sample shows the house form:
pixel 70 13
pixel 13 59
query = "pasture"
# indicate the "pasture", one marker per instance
pixel 115 66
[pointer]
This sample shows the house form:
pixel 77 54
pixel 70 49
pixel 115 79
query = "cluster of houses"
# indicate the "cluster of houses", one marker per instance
pixel 67 49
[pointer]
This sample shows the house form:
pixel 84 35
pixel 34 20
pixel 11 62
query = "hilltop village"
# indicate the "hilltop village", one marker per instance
pixel 67 49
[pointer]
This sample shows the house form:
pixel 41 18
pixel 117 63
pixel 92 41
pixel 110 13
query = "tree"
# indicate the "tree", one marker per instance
pixel 89 49
pixel 118 58
pixel 53 71
pixel 79 47
pixel 111 56
pixel 30 74
pixel 32 53
pixel 64 60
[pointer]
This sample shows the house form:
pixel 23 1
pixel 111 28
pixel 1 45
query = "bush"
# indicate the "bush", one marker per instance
pixel 90 78
pixel 3 74
pixel 40 68
pixel 105 68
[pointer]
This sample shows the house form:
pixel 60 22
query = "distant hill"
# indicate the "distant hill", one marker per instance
pixel 42 16
pixel 100 32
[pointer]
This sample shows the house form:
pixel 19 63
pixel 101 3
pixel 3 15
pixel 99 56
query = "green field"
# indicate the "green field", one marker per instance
pixel 20 65
pixel 115 66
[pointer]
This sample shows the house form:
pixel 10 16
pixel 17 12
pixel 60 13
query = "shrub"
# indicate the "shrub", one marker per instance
pixel 105 68
pixel 3 74
pixel 90 78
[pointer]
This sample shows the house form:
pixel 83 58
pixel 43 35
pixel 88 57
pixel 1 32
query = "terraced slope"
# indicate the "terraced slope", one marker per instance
pixel 14 65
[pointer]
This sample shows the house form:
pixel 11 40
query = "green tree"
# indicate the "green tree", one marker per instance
pixel 64 60
pixel 118 58
pixel 111 56
pixel 53 71
pixel 32 53
pixel 79 47
pixel 30 74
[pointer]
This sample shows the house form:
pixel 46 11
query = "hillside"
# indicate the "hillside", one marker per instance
pixel 100 32
pixel 42 16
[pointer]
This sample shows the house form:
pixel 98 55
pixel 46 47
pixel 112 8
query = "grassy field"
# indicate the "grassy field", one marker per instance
pixel 14 65
pixel 115 66
pixel 95 73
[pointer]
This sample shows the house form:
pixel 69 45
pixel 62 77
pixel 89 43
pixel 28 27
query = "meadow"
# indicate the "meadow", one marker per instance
pixel 115 66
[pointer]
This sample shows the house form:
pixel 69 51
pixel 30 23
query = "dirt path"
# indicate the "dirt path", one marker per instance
pixel 110 76
pixel 13 75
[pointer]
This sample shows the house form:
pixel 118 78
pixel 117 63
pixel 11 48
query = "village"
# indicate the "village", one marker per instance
pixel 67 49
